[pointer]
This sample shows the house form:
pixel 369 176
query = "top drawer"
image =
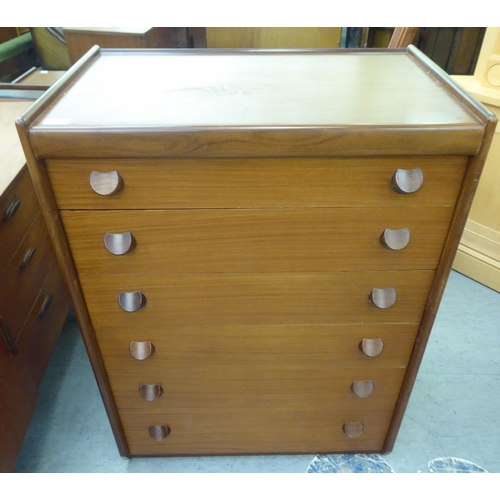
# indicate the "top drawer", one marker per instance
pixel 253 183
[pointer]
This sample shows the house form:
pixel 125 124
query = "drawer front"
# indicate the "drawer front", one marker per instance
pixel 305 347
pixel 45 322
pixel 25 275
pixel 258 299
pixel 18 209
pixel 246 432
pixel 223 241
pixel 255 183
pixel 228 386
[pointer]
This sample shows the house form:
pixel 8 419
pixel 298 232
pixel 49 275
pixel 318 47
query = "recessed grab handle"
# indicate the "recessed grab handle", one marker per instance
pixel 131 301
pixel 395 239
pixel 119 243
pixel 383 298
pixel 362 388
pixel 353 429
pixel 150 392
pixel 407 181
pixel 371 347
pixel 159 432
pixel 106 183
pixel 141 350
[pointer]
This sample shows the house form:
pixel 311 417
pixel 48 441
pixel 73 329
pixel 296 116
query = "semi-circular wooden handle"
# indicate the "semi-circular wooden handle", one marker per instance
pixel 119 243
pixel 45 305
pixel 11 210
pixel 362 388
pixel 353 429
pixel 159 432
pixel 383 298
pixel 150 392
pixel 27 258
pixel 407 181
pixel 106 183
pixel 131 301
pixel 395 239
pixel 141 350
pixel 371 347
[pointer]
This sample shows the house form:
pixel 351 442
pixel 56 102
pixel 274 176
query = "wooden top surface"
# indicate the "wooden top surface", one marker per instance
pixel 259 90
pixel 11 152
pixel 254 103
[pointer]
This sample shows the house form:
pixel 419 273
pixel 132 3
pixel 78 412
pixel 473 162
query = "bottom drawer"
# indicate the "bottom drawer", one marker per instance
pixel 249 432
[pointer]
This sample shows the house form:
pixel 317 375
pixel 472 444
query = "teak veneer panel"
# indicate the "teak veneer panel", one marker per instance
pixel 255 183
pixel 295 240
pixel 288 298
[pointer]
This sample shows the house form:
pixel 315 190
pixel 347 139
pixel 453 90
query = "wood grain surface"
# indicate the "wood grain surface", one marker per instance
pixel 232 241
pixel 255 183
pixel 270 298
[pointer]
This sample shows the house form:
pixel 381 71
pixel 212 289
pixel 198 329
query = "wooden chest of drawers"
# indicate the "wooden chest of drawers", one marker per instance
pixel 256 246
pixel 33 299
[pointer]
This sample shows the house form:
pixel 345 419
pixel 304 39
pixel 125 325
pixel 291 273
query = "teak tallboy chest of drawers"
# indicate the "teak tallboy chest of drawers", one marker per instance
pixel 256 243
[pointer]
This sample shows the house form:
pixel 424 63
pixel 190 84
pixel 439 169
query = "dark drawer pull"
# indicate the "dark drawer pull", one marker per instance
pixel 362 388
pixel 131 301
pixel 407 181
pixel 383 298
pixel 150 392
pixel 353 429
pixel 141 350
pixel 27 258
pixel 106 183
pixel 119 243
pixel 45 305
pixel 7 338
pixel 395 239
pixel 159 432
pixel 371 347
pixel 11 210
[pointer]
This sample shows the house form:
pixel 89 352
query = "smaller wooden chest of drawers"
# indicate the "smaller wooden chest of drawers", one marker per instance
pixel 33 299
pixel 256 248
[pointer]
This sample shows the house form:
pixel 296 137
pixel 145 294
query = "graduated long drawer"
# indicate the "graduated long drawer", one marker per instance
pixel 292 240
pixel 306 431
pixel 141 351
pixel 255 183
pixel 230 385
pixel 265 298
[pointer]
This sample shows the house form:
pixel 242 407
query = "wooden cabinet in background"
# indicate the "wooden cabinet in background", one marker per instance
pixel 273 38
pixel 33 299
pixel 80 40
pixel 479 252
